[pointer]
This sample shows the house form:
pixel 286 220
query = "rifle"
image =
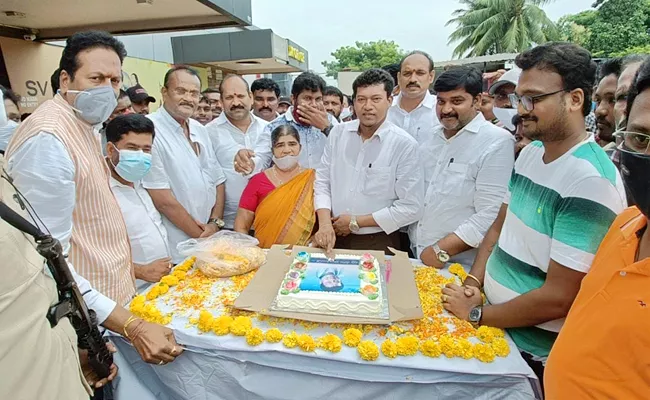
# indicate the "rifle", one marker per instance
pixel 71 303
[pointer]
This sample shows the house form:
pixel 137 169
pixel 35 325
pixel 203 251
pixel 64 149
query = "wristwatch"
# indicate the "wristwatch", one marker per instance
pixel 218 222
pixel 354 225
pixel 327 130
pixel 441 255
pixel 475 315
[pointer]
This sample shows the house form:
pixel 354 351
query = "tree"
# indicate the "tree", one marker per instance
pixel 500 26
pixel 364 56
pixel 575 28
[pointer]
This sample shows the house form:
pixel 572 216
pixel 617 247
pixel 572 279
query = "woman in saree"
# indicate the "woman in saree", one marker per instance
pixel 278 203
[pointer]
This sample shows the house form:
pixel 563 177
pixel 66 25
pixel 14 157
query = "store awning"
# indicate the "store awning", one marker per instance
pixel 48 20
pixel 245 52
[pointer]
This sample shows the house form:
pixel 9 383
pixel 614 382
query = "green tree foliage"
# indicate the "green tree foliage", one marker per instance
pixel 364 56
pixel 500 26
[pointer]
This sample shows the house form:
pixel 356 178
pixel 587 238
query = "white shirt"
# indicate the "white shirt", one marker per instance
pixel 147 234
pixel 227 140
pixel 44 173
pixel 381 176
pixel 312 140
pixel 466 179
pixel 192 179
pixel 419 123
pixel 6 132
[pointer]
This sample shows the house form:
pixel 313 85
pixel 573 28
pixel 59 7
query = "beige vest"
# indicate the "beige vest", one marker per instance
pixel 36 361
pixel 99 245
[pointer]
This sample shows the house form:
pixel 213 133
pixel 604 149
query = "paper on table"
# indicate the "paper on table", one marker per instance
pixel 403 299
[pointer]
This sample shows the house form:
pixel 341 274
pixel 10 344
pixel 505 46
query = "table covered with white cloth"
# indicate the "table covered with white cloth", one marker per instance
pixel 226 367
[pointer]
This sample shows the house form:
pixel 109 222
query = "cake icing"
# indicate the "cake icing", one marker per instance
pixel 349 284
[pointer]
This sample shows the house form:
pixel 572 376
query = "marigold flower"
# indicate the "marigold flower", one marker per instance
pixel 153 293
pixel 466 348
pixel 484 352
pixel 169 280
pixel 368 350
pixel 181 275
pixel 162 288
pixel 352 337
pixel 240 326
pixel 254 337
pixel 500 347
pixel 485 334
pixel 306 343
pixel 407 346
pixel 205 321
pixel 273 335
pixel 430 348
pixel 330 342
pixel 290 340
pixel 221 325
pixel 389 348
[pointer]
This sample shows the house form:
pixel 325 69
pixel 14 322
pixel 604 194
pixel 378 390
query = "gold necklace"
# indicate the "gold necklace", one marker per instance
pixel 275 174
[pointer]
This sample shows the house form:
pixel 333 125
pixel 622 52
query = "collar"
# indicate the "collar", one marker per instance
pixel 381 132
pixel 289 115
pixel 223 119
pixel 474 126
pixel 173 123
pixel 428 101
pixel 115 183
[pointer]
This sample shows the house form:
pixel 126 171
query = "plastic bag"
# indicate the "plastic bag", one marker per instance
pixel 224 254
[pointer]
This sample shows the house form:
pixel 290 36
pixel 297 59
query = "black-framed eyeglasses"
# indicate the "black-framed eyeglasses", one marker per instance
pixel 632 142
pixel 528 102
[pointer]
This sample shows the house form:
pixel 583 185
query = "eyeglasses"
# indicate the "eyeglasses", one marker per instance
pixel 632 142
pixel 182 92
pixel 528 102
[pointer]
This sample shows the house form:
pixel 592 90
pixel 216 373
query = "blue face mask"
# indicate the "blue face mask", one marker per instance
pixel 594 105
pixel 133 165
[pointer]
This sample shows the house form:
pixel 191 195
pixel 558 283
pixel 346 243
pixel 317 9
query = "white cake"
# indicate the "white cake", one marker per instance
pixel 349 284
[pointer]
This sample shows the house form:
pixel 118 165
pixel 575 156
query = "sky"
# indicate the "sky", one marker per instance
pixel 322 26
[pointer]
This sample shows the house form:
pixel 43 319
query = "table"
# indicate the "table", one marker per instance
pixel 225 367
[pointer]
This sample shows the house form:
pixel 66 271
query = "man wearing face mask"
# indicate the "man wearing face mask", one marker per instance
pixel 500 91
pixel 55 153
pixel 467 166
pixel 186 181
pixel 9 116
pixel 629 67
pixel 130 138
pixel 235 129
pixel 413 109
pixel 602 349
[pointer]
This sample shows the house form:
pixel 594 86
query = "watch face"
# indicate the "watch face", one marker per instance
pixel 443 257
pixel 475 314
pixel 220 223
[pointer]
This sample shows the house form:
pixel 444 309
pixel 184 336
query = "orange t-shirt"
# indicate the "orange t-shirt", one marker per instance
pixel 603 349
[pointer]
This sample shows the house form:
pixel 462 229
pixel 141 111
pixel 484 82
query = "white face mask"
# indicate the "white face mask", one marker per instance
pixel 346 112
pixel 285 163
pixel 505 115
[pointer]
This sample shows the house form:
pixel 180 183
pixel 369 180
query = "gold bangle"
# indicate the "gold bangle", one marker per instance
pixel 480 285
pixel 128 322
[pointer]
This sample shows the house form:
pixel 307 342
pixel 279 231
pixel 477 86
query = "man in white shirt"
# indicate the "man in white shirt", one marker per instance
pixel 413 109
pixel 185 181
pixel 266 94
pixel 370 179
pixel 467 163
pixel 500 90
pixel 333 101
pixel 235 129
pixel 128 150
pixel 307 115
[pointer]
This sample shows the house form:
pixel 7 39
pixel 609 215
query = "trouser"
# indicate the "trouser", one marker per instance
pixel 536 366
pixel 379 241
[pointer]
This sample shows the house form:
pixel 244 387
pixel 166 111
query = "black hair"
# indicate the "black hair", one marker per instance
pixel 516 120
pixel 123 124
pixel 177 68
pixel 10 95
pixel 333 91
pixel 609 67
pixel 122 94
pixel 284 130
pixel 374 76
pixel 392 69
pixel 417 52
pixel 204 99
pixel 307 81
pixel 464 77
pixel 632 59
pixel 54 81
pixel 572 62
pixel 211 90
pixel 266 84
pixel 350 100
pixel 230 76
pixel 87 40
pixel 641 83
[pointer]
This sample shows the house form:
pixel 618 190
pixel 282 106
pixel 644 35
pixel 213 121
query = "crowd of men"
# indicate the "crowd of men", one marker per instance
pixel 506 178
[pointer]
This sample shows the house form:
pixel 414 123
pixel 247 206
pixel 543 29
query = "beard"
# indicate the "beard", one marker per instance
pixel 554 131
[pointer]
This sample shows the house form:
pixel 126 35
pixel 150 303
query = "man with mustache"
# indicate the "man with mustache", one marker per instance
pixel 214 96
pixel 333 101
pixel 235 129
pixel 629 67
pixel 413 109
pixel 185 182
pixel 203 112
pixel 605 100
pixel 563 195
pixel 266 93
pixel 467 164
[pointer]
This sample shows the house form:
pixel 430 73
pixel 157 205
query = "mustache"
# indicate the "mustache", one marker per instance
pixel 453 115
pixel 266 109
pixel 602 120
pixel 413 84
pixel 237 108
pixel 528 118
pixel 184 103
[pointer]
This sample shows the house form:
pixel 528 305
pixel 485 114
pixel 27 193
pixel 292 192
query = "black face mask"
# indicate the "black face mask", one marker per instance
pixel 635 170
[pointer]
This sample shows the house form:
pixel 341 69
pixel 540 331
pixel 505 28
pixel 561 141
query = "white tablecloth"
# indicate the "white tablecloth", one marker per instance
pixel 225 368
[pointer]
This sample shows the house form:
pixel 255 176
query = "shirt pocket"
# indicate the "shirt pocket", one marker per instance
pixel 455 176
pixel 379 182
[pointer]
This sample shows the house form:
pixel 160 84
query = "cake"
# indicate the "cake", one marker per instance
pixel 347 285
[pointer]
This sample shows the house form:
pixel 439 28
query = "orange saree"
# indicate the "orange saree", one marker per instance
pixel 286 215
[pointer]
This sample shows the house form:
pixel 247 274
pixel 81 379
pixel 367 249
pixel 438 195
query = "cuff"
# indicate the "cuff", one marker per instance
pixel 469 234
pixel 102 305
pixel 322 201
pixel 385 220
pixel 155 185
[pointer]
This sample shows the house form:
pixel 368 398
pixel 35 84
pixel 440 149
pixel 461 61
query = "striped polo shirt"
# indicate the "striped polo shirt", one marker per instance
pixel 560 211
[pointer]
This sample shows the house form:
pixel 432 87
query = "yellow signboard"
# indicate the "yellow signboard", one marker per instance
pixel 296 54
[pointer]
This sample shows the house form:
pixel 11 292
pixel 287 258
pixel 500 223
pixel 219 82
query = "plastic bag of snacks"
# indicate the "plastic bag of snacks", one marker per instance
pixel 224 254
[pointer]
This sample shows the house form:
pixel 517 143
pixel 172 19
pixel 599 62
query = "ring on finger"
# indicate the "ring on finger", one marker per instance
pixel 444 298
pixel 161 362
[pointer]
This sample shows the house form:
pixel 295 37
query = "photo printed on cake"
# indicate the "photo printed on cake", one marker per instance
pixel 338 276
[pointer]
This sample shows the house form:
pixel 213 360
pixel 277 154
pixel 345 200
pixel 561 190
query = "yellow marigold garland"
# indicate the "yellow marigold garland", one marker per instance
pixel 205 321
pixel 407 346
pixel 273 335
pixel 290 340
pixel 330 342
pixel 221 325
pixel 500 347
pixel 484 352
pixel 368 350
pixel 306 343
pixel 254 337
pixel 352 337
pixel 240 326
pixel 430 348
pixel 389 348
